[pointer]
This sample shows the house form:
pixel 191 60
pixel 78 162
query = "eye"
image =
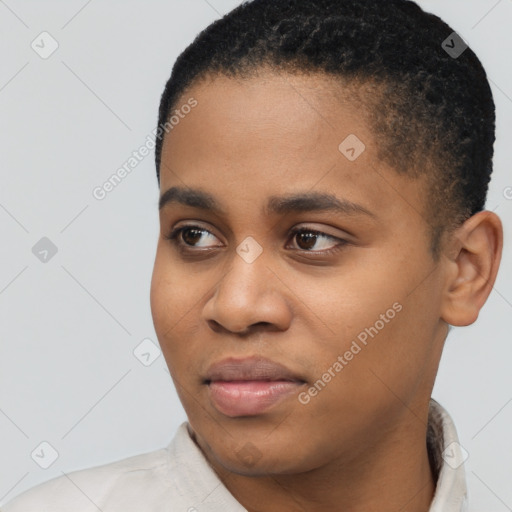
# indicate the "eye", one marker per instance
pixel 307 238
pixel 189 236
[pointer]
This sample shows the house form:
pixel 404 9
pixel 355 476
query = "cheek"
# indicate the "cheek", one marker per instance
pixel 175 299
pixel 369 319
pixel 352 304
pixel 160 299
pixel 172 295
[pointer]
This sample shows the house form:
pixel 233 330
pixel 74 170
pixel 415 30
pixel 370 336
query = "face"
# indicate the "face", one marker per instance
pixel 296 301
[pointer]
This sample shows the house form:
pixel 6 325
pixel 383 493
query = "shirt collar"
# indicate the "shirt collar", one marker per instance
pixel 447 458
pixel 197 479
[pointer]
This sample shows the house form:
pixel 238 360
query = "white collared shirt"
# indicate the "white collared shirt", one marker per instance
pixel 178 478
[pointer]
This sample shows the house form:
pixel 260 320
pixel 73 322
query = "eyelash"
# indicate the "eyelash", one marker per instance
pixel 174 238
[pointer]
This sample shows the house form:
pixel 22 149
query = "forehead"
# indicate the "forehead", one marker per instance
pixel 270 102
pixel 277 133
pixel 269 118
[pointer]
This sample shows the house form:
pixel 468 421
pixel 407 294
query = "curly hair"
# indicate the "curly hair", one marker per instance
pixel 432 114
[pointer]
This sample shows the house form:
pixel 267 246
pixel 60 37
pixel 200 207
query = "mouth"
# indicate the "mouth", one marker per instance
pixel 251 386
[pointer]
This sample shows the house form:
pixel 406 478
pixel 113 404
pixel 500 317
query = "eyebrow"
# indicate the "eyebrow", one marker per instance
pixel 292 203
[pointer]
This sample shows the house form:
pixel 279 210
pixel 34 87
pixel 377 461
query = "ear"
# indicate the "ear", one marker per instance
pixel 474 255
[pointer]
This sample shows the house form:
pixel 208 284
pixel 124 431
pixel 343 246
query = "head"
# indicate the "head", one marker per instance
pixel 326 213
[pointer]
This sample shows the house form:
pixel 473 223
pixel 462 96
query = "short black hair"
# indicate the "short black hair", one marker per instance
pixel 432 113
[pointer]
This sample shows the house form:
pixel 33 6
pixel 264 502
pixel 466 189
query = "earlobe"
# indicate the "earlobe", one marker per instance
pixel 472 267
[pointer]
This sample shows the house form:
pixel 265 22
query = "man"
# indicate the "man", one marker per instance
pixel 323 167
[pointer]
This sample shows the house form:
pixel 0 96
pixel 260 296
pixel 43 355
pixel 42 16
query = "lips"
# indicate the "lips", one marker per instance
pixel 251 386
pixel 251 368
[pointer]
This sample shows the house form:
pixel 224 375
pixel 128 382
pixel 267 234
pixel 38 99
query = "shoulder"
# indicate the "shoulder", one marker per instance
pixel 97 488
pixel 177 476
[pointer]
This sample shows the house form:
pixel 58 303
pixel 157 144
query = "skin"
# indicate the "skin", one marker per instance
pixel 359 444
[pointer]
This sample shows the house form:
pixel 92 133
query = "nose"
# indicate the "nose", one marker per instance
pixel 250 296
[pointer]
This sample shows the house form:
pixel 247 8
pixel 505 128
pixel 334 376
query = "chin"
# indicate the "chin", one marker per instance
pixel 263 466
pixel 253 458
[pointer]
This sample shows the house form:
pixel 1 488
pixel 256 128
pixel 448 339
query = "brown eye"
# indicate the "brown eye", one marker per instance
pixel 307 239
pixel 190 236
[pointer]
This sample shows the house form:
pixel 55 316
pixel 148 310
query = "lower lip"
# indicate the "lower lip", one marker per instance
pixel 249 398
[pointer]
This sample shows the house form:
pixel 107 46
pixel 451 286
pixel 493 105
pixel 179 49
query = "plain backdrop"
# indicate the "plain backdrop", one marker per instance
pixel 74 389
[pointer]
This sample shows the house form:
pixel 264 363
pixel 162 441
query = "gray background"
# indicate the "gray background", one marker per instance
pixel 69 326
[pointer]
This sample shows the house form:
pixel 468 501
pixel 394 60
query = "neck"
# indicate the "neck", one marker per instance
pixel 395 474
